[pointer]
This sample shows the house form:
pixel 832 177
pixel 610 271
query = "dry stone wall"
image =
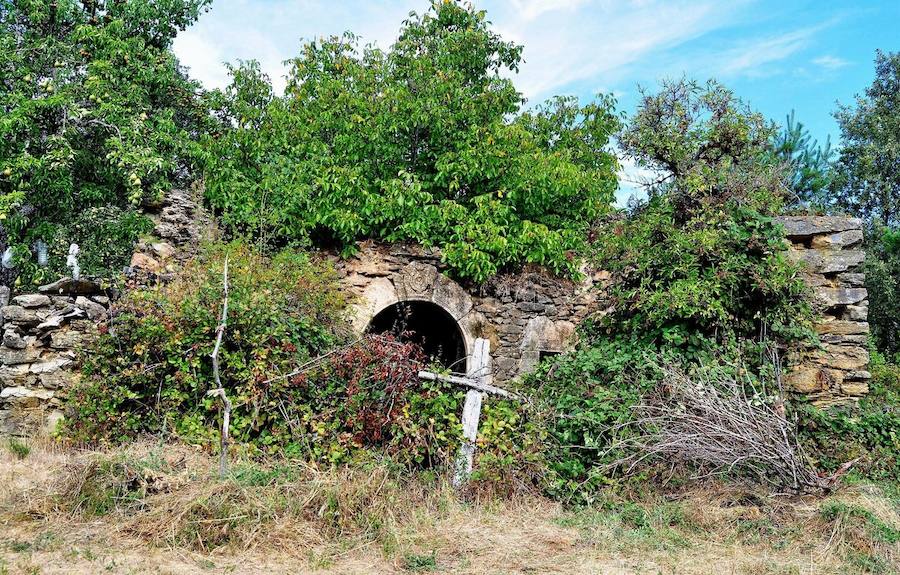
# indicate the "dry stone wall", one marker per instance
pixel 523 315
pixel 44 332
pixel 830 249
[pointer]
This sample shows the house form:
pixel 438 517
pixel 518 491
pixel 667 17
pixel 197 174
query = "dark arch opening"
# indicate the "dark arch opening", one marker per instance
pixel 428 325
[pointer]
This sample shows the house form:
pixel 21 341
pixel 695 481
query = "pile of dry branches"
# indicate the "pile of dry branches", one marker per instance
pixel 719 422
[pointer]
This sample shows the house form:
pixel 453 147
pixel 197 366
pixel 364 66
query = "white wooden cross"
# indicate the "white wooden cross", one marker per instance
pixel 478 380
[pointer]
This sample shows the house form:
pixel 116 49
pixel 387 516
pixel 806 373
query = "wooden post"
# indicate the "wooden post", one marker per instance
pixel 480 371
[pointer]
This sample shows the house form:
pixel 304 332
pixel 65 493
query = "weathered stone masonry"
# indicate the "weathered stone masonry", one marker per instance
pixel 523 315
pixel 830 249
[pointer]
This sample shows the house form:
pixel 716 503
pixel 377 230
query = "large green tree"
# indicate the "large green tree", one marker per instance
pixel 96 117
pixel 702 264
pixel 868 169
pixel 425 141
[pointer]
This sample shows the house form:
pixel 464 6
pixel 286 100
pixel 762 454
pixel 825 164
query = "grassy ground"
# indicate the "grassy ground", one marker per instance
pixel 160 509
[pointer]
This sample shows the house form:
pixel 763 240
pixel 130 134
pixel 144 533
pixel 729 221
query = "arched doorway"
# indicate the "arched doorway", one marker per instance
pixel 428 325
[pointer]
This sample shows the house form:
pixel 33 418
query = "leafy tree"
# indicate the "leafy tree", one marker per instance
pixel 810 164
pixel 94 113
pixel 425 141
pixel 883 283
pixel 868 169
pixel 702 264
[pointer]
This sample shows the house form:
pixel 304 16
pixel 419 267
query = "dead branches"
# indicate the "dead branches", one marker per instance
pixel 719 423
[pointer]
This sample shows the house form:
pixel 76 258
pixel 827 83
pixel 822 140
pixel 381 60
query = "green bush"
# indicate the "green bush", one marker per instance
pixel 151 368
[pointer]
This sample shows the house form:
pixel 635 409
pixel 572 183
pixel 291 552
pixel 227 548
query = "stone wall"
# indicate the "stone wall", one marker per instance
pixel 44 332
pixel 829 248
pixel 524 315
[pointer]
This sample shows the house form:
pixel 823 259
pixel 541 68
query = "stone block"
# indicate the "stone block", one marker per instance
pixel 857 313
pixel 850 279
pixel 163 250
pixel 68 339
pixel 855 388
pixel 50 364
pixel 838 240
pixel 58 379
pixel 845 358
pixel 69 286
pixel 842 327
pixel 809 379
pixel 19 356
pixel 94 310
pixel 146 263
pixel 25 395
pixel 828 262
pixel 31 300
pixel 15 375
pixel 844 339
pixel 20 315
pixel 12 339
pixel 831 297
pixel 806 226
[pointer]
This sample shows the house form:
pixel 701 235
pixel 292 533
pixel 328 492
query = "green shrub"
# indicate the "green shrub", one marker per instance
pixel 150 369
pixel 18 448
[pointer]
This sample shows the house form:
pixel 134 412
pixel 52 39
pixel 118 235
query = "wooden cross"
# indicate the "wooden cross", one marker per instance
pixel 478 380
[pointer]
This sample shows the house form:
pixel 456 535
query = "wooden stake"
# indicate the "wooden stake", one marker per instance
pixel 220 391
pixel 480 371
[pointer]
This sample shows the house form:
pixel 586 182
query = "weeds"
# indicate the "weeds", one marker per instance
pixel 18 448
pixel 419 563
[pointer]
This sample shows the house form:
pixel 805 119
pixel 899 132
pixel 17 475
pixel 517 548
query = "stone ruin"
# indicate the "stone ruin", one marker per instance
pixel 525 316
pixel 830 249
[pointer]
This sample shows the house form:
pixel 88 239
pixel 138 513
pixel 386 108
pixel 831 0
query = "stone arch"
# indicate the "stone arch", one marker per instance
pixel 419 282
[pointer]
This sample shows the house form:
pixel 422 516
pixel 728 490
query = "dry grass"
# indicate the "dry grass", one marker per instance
pixel 160 509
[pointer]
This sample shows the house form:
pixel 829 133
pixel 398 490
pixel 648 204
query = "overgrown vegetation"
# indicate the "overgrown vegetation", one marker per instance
pixel 96 118
pixel 150 370
pixel 426 141
pixel 299 385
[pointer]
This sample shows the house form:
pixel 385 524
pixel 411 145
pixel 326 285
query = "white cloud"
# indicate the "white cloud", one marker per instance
pixel 830 62
pixel 750 58
pixel 566 41
pixel 271 31
pixel 570 41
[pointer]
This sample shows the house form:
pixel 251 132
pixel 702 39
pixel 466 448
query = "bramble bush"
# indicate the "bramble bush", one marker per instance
pixel 150 370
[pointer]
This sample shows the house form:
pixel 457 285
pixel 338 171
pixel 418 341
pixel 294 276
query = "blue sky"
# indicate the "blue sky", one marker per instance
pixel 776 55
